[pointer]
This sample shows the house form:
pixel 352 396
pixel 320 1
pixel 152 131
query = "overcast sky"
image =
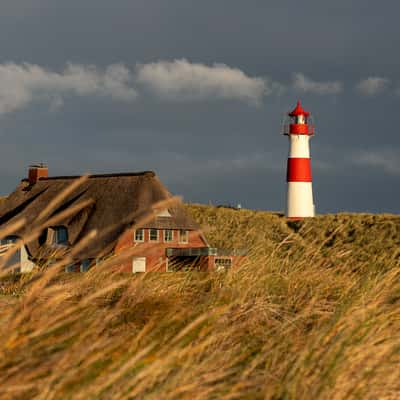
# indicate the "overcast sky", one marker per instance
pixel 197 90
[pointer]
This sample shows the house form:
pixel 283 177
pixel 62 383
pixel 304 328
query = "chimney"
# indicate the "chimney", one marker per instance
pixel 36 172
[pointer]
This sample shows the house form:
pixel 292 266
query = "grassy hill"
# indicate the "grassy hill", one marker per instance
pixel 374 239
pixel 313 314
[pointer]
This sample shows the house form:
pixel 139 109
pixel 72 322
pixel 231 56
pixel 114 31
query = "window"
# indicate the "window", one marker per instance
pixel 154 235
pixel 139 264
pixel 12 254
pixel 9 240
pixel 168 235
pixel 70 268
pixel 163 213
pixel 183 236
pixel 100 260
pixel 85 265
pixel 222 264
pixel 139 235
pixel 60 235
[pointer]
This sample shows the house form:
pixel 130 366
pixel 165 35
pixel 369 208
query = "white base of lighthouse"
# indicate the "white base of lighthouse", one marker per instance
pixel 300 202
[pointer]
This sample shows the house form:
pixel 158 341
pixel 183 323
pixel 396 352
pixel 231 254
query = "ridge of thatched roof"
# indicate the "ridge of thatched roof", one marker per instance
pixel 117 174
pixel 112 203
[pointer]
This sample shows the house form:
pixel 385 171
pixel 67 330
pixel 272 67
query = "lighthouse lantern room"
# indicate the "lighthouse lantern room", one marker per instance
pixel 299 202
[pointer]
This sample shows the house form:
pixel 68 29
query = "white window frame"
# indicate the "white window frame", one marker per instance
pixel 134 235
pixel 172 235
pixel 186 236
pixel 141 259
pixel 167 265
pixel 158 235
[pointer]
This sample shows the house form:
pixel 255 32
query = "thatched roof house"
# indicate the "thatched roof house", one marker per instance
pixel 65 209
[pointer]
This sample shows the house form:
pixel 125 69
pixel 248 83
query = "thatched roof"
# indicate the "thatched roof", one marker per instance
pixel 116 202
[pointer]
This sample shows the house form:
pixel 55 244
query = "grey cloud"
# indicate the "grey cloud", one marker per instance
pixel 90 132
pixel 24 83
pixel 372 85
pixel 181 80
pixel 381 160
pixel 386 160
pixel 307 85
pixel 221 166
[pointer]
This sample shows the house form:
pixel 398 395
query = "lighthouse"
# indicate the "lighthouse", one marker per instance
pixel 299 202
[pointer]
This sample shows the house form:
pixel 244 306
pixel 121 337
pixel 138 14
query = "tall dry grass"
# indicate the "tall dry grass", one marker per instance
pixel 312 314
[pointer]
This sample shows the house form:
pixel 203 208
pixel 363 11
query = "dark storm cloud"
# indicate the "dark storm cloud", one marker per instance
pixel 212 145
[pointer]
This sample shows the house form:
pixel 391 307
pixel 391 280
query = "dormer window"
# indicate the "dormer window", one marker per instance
pixel 6 244
pixel 16 256
pixel 60 235
pixel 163 213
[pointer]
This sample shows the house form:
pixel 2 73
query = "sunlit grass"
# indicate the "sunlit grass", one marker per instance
pixel 314 313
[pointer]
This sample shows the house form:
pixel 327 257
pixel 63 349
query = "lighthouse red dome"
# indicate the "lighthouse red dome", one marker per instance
pixel 299 111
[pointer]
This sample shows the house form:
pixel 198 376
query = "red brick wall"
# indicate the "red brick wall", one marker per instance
pixel 155 254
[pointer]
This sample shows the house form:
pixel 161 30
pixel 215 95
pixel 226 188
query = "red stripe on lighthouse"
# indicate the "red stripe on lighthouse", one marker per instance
pixel 299 129
pixel 299 170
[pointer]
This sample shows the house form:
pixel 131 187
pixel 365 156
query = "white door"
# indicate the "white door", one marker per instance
pixel 139 264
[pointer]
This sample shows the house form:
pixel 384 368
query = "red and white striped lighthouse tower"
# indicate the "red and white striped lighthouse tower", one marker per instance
pixel 300 202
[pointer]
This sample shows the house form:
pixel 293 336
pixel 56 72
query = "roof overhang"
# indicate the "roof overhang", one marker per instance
pixel 203 251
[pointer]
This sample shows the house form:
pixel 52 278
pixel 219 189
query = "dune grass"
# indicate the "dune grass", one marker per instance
pixel 314 313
